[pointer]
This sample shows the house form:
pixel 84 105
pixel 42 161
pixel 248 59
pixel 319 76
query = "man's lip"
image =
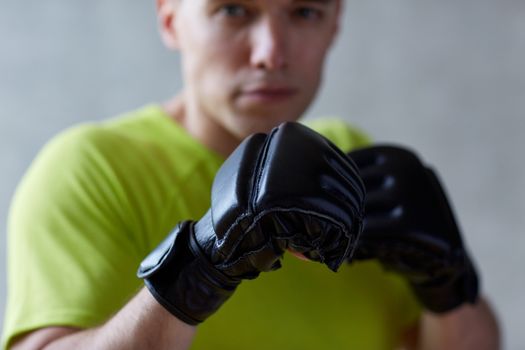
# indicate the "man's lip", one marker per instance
pixel 267 87
pixel 270 91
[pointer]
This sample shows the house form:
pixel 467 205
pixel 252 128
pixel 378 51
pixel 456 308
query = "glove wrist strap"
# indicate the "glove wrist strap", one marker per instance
pixel 182 280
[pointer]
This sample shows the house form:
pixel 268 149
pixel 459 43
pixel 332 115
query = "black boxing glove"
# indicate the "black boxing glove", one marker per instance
pixel 291 189
pixel 410 228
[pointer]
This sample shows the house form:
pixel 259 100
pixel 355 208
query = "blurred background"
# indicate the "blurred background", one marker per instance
pixel 445 77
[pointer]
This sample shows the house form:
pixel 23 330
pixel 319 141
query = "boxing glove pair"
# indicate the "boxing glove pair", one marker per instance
pixel 293 189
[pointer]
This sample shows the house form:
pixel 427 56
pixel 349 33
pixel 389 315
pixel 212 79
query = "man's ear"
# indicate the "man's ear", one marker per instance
pixel 337 27
pixel 166 16
pixel 339 18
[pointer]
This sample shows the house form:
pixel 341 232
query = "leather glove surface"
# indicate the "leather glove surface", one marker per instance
pixel 410 227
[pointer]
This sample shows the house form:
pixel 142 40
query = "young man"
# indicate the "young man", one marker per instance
pixel 99 198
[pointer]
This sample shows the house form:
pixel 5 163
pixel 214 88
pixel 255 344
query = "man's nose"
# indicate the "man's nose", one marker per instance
pixel 269 45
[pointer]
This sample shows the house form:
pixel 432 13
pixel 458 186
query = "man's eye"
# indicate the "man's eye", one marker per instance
pixel 308 13
pixel 232 10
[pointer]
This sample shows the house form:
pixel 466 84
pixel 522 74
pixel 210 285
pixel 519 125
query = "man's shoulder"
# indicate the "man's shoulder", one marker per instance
pixel 343 134
pixel 85 155
pixel 109 138
pixel 141 151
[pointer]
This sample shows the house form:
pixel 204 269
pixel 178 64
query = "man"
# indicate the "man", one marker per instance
pixel 81 231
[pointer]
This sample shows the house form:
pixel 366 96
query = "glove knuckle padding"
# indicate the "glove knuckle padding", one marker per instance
pixel 410 227
pixel 301 189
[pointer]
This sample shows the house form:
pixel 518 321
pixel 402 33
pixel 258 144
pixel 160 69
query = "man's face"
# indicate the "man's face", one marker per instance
pixel 249 65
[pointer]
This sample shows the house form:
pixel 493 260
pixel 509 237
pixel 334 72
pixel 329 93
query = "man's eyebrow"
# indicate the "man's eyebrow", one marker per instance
pixel 316 1
pixel 295 1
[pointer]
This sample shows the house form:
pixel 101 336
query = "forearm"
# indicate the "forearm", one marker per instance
pixel 467 327
pixel 142 324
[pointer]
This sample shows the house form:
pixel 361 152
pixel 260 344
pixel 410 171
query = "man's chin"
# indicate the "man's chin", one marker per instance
pixel 270 115
pixel 250 124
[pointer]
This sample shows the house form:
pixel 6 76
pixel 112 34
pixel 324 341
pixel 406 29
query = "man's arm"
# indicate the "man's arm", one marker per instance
pixel 142 324
pixel 467 327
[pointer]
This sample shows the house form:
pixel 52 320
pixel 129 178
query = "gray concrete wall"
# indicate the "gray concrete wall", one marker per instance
pixel 446 77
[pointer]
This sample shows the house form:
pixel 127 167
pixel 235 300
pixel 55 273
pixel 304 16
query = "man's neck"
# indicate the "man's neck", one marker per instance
pixel 202 128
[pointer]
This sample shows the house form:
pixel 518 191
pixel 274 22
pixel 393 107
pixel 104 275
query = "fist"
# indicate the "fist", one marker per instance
pixel 411 229
pixel 291 189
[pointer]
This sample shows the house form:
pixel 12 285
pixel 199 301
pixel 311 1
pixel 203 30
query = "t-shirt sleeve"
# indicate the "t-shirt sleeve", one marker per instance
pixel 70 255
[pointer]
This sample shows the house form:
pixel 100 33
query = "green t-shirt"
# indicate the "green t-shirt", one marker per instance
pixel 100 197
